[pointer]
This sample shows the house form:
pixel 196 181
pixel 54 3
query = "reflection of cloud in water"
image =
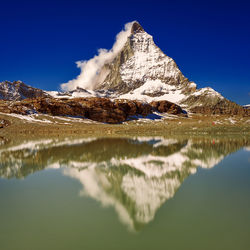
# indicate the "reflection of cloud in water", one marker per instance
pixel 135 176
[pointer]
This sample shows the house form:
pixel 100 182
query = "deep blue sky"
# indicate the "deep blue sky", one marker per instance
pixel 209 40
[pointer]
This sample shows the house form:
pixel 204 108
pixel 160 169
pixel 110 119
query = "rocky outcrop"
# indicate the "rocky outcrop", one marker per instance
pixel 94 108
pixel 165 106
pixel 18 90
pixel 4 123
pixel 212 103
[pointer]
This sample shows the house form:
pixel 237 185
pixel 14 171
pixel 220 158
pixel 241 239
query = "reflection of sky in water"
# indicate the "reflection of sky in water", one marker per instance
pixel 135 176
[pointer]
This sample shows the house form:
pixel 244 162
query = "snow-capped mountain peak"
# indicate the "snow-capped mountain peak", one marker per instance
pixel 141 71
pixel 142 63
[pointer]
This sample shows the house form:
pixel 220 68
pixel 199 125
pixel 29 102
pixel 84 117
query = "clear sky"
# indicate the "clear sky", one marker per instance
pixel 209 40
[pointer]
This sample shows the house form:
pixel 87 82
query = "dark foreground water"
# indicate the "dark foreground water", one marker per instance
pixel 140 193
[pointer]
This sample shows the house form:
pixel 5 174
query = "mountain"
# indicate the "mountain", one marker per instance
pixel 141 71
pixel 137 71
pixel 17 90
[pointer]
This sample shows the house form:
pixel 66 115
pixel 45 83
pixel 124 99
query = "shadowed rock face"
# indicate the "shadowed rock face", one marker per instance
pixel 135 176
pixel 18 90
pixel 136 28
pixel 97 109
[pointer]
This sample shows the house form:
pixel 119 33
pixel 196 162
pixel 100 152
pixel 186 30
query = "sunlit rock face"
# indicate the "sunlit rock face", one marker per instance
pixel 135 176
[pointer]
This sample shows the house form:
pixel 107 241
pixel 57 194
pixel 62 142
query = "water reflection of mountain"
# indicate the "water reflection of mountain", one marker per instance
pixel 135 176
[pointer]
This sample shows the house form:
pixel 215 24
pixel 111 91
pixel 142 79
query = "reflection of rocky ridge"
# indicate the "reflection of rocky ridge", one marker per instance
pixel 135 176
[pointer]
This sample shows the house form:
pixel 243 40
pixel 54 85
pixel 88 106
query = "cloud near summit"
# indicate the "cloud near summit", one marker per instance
pixel 90 69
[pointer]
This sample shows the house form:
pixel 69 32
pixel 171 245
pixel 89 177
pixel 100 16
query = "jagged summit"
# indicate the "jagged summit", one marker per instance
pixel 136 28
pixel 141 67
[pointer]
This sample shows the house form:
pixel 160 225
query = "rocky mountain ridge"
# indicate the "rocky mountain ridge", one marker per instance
pixel 17 91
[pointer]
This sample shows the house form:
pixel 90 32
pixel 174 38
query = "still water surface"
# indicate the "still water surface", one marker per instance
pixel 125 193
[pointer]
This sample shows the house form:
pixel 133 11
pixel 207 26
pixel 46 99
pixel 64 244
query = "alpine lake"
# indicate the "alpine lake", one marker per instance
pixel 125 193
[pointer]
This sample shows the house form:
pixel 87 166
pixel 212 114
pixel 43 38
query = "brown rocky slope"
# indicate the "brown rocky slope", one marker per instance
pixel 94 108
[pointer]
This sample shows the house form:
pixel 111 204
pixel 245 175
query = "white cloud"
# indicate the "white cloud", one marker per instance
pixel 90 70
